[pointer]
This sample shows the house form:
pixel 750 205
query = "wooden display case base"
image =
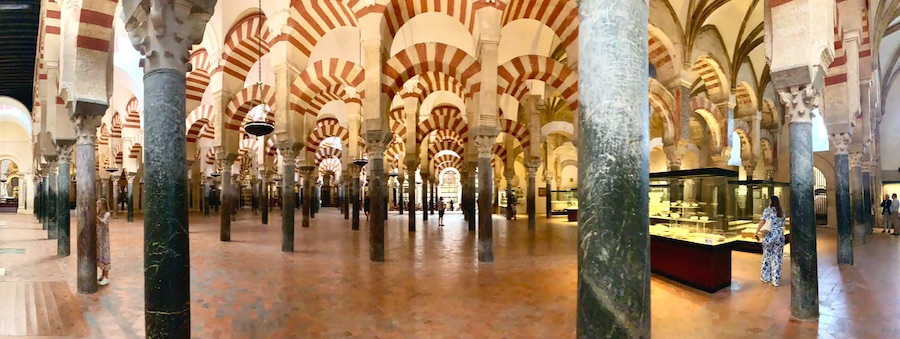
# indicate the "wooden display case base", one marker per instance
pixel 754 246
pixel 704 267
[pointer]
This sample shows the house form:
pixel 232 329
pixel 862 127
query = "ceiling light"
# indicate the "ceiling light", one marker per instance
pixel 12 7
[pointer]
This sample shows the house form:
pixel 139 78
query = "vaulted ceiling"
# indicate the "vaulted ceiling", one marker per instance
pixel 18 32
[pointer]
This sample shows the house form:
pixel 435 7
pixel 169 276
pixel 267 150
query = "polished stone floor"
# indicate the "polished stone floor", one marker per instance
pixel 433 286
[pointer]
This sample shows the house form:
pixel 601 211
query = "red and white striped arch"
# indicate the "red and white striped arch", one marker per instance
pixel 516 130
pixel 337 92
pixel 95 28
pixel 248 145
pixel 311 20
pixel 200 117
pixel 327 152
pixel 429 57
pixel 398 12
pixel 119 158
pixel 446 159
pixel 662 102
pixel 499 151
pixel 322 75
pixel 446 134
pixel 713 77
pixel 133 119
pixel 247 41
pixel 398 122
pixel 198 78
pixel 745 97
pixel 514 73
pixel 430 82
pixel 103 135
pixel 244 101
pixel 326 128
pixel 661 54
pixel 445 145
pixel 712 117
pixel 210 157
pixel 449 118
pixel 116 130
pixel 329 165
pixel 394 150
pixel 135 151
pixel 561 16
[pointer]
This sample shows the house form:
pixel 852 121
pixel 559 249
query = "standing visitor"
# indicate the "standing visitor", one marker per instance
pixel 886 214
pixel 103 257
pixel 513 201
pixel 451 204
pixel 895 214
pixel 440 208
pixel 773 242
pixel 366 204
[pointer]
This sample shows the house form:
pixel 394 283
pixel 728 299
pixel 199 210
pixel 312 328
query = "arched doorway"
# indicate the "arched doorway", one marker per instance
pixel 821 198
pixel 449 187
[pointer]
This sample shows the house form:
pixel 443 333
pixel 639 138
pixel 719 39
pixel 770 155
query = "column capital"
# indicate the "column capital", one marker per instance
pixel 64 152
pixel 799 102
pixel 288 153
pixel 377 142
pixel 841 142
pixel 130 177
pixel 306 171
pixel 770 172
pixel 163 31
pixel 86 126
pixel 225 163
pixel 675 154
pixel 855 159
pixel 485 145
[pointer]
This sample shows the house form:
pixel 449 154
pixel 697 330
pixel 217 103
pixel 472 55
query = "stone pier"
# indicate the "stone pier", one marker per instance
pixel 354 198
pixel 485 144
pixel 613 242
pixel 288 155
pixel 225 194
pixel 377 142
pixel 530 195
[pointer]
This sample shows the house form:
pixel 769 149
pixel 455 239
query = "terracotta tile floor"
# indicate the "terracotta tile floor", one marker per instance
pixel 433 286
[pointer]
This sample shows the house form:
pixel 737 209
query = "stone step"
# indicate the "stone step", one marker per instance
pixel 45 308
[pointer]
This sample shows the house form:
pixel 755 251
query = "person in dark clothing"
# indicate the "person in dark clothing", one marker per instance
pixel 367 203
pixel 451 204
pixel 886 214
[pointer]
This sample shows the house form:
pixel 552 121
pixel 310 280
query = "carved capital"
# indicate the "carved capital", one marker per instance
pixel 855 159
pixel 377 142
pixel 163 31
pixel 675 154
pixel 307 171
pixel 485 145
pixel 64 153
pixel 225 164
pixel 289 154
pixel 130 177
pixel 799 101
pixel 86 129
pixel 841 142
pixel 770 172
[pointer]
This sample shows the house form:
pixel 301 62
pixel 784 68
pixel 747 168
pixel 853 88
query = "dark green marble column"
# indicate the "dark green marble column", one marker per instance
pixel 485 144
pixel 129 199
pixel 289 154
pixel 306 204
pixel 86 116
pixel 354 199
pixel 530 197
pixel 613 242
pixel 856 198
pixel 549 201
pixel 411 176
pixel 264 200
pixel 63 220
pixel 45 203
pixel 867 195
pixel 424 196
pixel 377 142
pixel 841 143
pixel 52 216
pixel 38 186
pixel 226 211
pixel 804 267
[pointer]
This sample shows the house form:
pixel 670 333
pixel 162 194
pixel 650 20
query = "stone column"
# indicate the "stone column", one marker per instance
pixel 531 168
pixel 613 255
pixel 856 198
pixel 508 175
pixel 254 194
pixel 38 208
pixel 225 198
pixel 399 195
pixel 424 196
pixel 799 102
pixel 52 225
pixel 469 200
pixel 288 163
pixel 841 143
pixel 87 119
pixel 411 175
pixel 434 197
pixel 376 142
pixel 114 201
pixel 307 173
pixel 354 197
pixel 547 184
pixel 63 244
pixel 164 31
pixel 867 194
pixel 129 200
pixel 485 144
pixel 235 195
pixel 264 199
pixel 345 193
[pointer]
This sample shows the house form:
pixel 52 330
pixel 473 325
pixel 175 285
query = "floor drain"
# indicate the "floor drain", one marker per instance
pixel 12 251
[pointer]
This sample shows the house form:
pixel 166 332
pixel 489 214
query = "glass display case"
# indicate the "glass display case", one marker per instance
pixel 563 201
pixel 751 197
pixel 693 205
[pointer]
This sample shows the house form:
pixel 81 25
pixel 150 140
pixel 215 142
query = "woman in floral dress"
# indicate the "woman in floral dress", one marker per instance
pixel 773 242
pixel 103 258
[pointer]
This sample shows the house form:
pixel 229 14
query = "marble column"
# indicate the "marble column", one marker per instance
pixel 64 179
pixel 377 142
pixel 841 143
pixel 399 195
pixel 38 209
pixel 485 145
pixel 87 119
pixel 288 181
pixel 799 102
pixel 254 195
pixel 530 195
pixel 411 174
pixel 469 200
pixel 264 199
pixel 856 198
pixel 114 201
pixel 205 203
pixel 434 197
pixel 129 199
pixel 235 196
pixel 345 192
pixel 549 200
pixel 165 36
pixel 52 216
pixel 613 241
pixel 424 196
pixel 307 173
pixel 354 198
pixel 867 195
pixel 45 206
pixel 464 187
pixel 225 198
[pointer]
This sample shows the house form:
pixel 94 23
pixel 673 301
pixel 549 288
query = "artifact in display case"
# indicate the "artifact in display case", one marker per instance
pixel 751 197
pixel 563 201
pixel 692 205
